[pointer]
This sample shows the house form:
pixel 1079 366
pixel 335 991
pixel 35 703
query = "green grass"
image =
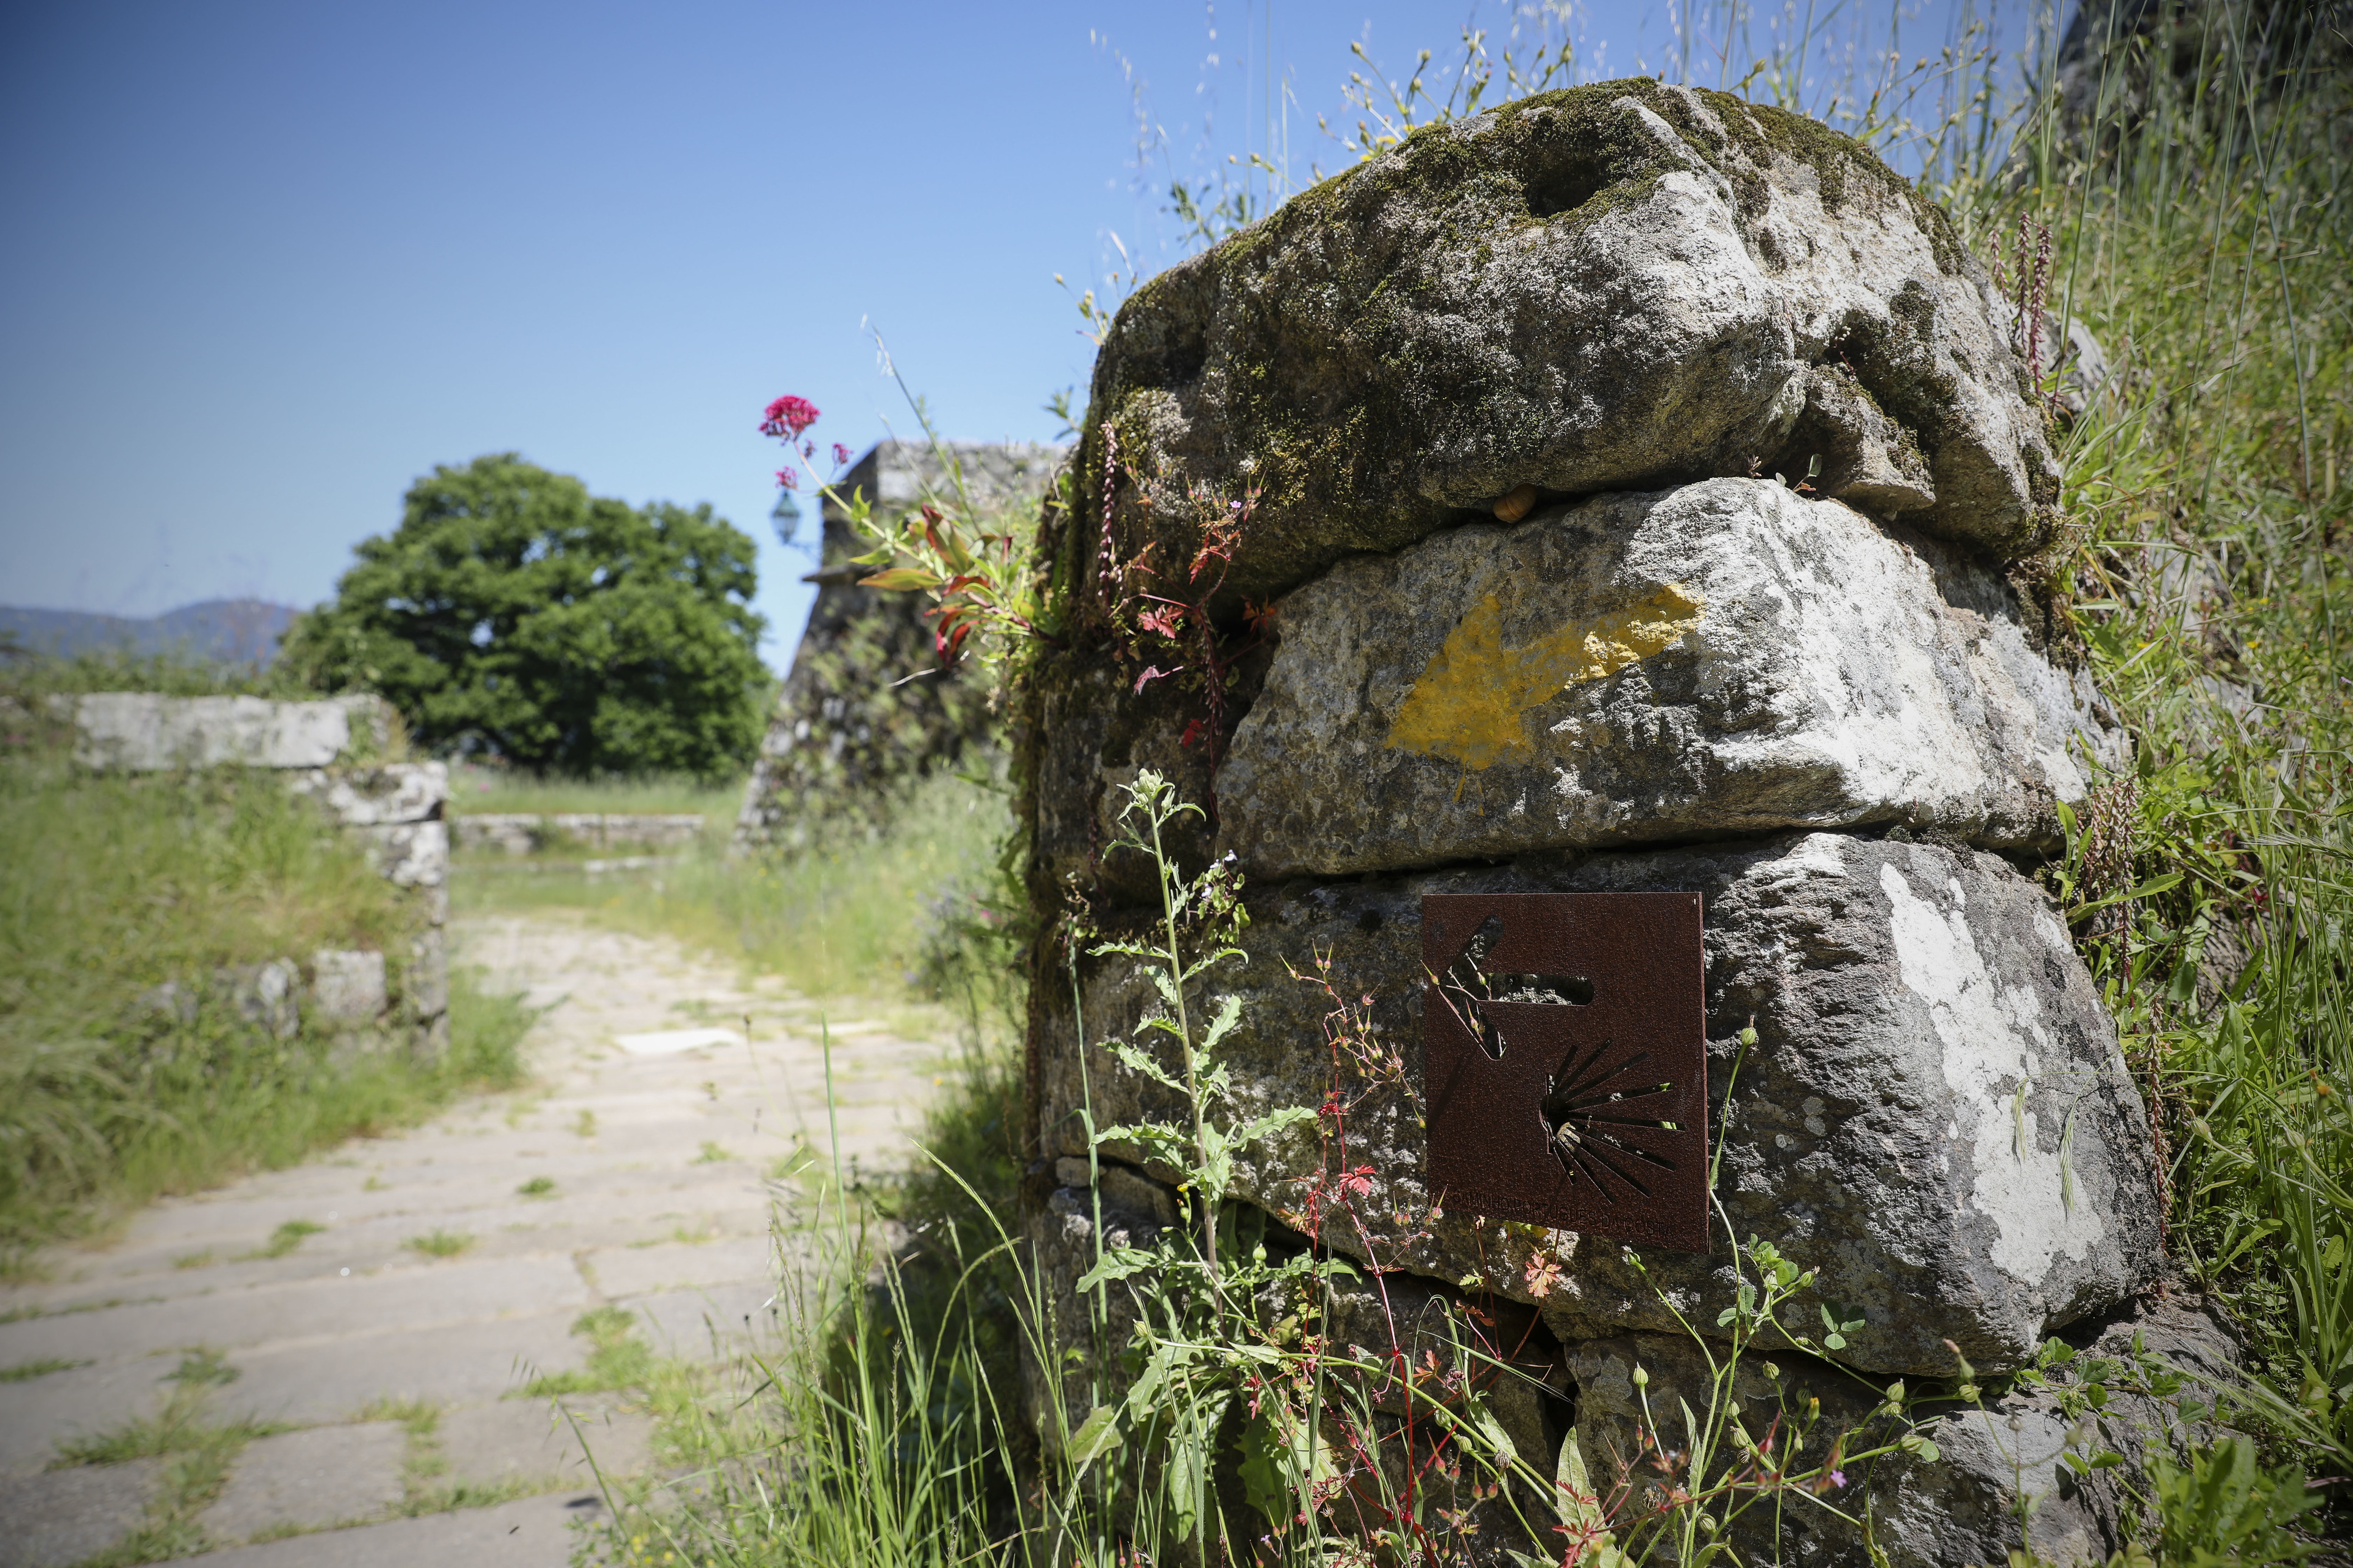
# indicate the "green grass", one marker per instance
pixel 878 1432
pixel 2210 574
pixel 869 916
pixel 491 791
pixel 438 1243
pixel 282 1240
pixel 112 886
pixel 197 1454
pixel 202 1368
pixel 617 1358
pixel 26 1371
pixel 537 1188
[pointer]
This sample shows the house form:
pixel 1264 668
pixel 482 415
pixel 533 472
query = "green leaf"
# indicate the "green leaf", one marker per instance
pixel 1258 1126
pixel 1116 1263
pixel 1492 1438
pixel 1230 1012
pixel 1137 1059
pixel 2147 889
pixel 1098 1434
pixel 900 580
pixel 1266 1479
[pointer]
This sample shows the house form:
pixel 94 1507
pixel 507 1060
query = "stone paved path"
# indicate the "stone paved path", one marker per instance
pixel 393 1377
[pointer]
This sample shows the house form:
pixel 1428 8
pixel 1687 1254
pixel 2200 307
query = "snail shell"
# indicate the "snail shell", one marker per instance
pixel 1515 506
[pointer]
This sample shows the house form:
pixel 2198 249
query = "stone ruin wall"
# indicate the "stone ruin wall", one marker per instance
pixel 397 810
pixel 1518 398
pixel 867 709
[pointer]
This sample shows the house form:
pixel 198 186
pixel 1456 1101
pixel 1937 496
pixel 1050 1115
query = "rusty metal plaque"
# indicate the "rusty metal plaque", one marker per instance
pixel 1565 1051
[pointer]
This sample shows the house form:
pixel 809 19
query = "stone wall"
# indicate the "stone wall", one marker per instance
pixel 867 708
pixel 396 809
pixel 1526 604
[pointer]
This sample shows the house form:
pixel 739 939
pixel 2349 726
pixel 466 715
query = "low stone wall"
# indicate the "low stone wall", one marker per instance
pixel 142 732
pixel 521 833
pixel 396 809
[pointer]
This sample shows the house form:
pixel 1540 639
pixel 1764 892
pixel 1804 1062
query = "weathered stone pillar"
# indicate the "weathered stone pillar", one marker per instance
pixel 1523 603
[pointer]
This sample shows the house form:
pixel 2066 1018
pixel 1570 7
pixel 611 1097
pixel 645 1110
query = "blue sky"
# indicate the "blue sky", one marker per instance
pixel 269 262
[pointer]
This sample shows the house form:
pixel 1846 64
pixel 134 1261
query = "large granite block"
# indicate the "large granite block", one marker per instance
pixel 1726 659
pixel 141 731
pixel 1935 1116
pixel 1610 288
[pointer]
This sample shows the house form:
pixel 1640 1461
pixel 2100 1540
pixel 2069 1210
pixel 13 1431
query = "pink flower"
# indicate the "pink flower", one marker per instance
pixel 1838 1477
pixel 840 454
pixel 787 417
pixel 789 478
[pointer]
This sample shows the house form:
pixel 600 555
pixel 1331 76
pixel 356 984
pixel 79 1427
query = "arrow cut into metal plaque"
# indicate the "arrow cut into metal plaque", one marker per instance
pixel 1564 1056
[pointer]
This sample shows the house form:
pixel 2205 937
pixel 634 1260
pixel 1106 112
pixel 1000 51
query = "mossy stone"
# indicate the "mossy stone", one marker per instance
pixel 1610 287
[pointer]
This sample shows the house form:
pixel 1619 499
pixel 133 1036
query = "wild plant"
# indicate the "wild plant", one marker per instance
pixel 132 1057
pixel 1396 1448
pixel 1197 1332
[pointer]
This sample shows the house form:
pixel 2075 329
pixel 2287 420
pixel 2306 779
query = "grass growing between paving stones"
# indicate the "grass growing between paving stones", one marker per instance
pixel 283 1240
pixel 617 1359
pixel 26 1371
pixel 114 1089
pixel 423 1465
pixel 197 1454
pixel 438 1243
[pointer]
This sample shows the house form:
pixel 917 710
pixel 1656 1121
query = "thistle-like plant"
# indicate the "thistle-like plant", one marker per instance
pixel 1197 1342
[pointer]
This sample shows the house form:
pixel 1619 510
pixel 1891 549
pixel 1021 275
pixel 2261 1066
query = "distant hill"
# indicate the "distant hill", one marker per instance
pixel 229 631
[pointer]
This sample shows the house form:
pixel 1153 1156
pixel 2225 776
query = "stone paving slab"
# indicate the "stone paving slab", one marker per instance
pixel 675 1264
pixel 39 1413
pixel 63 1516
pixel 335 1379
pixel 327 1474
pixel 527 1438
pixel 587 1193
pixel 401 1295
pixel 682 1323
pixel 536 1533
pixel 663 1208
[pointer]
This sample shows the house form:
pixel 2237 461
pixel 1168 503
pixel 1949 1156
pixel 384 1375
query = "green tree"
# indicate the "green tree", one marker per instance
pixel 513 613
